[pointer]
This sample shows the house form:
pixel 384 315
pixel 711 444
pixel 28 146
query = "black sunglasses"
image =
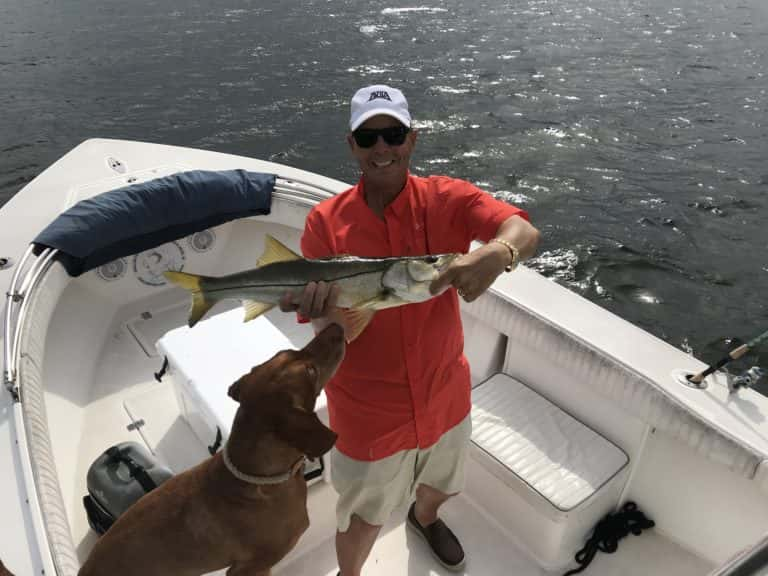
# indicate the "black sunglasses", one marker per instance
pixel 367 137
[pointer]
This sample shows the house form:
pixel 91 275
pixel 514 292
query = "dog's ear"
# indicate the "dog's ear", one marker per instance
pixel 304 431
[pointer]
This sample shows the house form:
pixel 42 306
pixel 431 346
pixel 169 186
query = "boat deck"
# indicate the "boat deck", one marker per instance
pixel 128 392
pixel 399 551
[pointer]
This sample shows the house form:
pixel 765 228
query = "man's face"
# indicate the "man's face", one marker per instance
pixel 382 163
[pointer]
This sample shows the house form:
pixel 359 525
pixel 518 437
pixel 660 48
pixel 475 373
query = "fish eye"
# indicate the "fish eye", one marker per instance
pixel 432 259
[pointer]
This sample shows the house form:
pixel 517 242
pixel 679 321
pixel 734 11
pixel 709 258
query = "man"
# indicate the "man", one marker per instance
pixel 400 401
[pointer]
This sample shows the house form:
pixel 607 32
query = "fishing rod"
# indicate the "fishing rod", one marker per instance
pixel 733 355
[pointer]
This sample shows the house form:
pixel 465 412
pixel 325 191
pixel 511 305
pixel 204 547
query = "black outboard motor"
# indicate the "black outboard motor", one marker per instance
pixel 117 479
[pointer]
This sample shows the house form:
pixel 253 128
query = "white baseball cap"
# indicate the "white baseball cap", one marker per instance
pixel 378 99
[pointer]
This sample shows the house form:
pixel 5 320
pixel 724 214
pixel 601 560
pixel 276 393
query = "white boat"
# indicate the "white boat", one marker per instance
pixel 576 412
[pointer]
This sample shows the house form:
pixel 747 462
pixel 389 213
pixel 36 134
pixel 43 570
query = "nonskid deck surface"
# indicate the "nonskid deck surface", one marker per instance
pixel 398 550
pixel 489 551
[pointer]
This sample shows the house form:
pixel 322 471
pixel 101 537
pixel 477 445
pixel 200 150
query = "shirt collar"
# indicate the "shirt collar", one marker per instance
pixel 401 203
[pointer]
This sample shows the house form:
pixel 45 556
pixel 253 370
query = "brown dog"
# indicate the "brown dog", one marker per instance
pixel 246 506
pixel 4 571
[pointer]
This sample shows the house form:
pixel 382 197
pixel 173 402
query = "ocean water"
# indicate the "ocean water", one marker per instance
pixel 633 132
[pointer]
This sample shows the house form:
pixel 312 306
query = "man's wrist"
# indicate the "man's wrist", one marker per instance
pixel 512 252
pixel 503 255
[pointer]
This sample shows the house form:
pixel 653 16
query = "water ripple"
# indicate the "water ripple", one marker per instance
pixel 633 133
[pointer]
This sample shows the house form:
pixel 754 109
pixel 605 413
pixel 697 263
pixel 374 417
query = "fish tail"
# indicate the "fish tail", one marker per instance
pixel 191 282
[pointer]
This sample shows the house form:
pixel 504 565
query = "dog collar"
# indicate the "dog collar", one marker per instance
pixel 260 480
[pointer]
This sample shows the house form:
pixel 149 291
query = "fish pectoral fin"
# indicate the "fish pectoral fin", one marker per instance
pixel 276 251
pixel 254 309
pixel 355 321
pixel 371 303
pixel 379 302
pixel 191 282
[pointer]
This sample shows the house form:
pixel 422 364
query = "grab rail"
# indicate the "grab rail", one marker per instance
pixel 300 192
pixel 39 267
pixel 12 298
pixel 16 310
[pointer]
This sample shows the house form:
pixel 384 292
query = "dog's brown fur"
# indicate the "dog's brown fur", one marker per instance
pixel 206 519
pixel 3 570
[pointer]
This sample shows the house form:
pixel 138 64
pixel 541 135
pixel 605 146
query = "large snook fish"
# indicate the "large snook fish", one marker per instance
pixel 367 284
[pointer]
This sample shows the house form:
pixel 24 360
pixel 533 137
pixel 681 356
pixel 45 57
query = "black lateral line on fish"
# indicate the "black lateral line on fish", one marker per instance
pixel 287 284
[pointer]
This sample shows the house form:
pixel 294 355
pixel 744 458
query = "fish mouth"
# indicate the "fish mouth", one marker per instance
pixel 444 261
pixel 425 269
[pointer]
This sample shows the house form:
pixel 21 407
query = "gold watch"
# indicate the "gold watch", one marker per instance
pixel 512 250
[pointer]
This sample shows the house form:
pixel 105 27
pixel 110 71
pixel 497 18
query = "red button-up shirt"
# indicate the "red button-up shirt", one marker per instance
pixel 404 381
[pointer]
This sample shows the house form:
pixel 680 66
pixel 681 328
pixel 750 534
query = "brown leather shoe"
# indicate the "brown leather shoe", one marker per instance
pixel 443 544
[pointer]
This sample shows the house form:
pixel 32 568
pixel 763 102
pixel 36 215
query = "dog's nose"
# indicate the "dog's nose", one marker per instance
pixel 326 351
pixel 330 341
pixel 332 335
pixel 335 332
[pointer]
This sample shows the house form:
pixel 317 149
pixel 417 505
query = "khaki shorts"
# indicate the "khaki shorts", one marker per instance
pixel 372 490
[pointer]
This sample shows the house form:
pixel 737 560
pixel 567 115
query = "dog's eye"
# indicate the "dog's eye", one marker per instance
pixel 311 372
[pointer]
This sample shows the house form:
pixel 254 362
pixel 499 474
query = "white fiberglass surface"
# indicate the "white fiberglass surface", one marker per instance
pixel 126 391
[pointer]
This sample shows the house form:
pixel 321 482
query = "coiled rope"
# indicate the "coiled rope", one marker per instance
pixel 608 532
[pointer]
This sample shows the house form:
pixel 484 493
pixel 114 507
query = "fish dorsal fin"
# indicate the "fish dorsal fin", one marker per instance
pixel 276 251
pixel 355 321
pixel 254 309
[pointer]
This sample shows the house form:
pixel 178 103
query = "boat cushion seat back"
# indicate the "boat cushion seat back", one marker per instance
pixel 555 455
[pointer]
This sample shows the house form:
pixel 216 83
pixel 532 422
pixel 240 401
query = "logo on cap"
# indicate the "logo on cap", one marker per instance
pixel 379 94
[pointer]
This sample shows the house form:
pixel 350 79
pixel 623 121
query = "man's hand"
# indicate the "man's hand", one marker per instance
pixel 317 300
pixel 472 274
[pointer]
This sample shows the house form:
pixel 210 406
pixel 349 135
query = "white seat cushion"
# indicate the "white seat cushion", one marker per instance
pixel 552 452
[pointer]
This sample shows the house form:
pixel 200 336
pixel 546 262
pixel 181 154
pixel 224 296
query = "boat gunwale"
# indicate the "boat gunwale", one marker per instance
pixel 310 198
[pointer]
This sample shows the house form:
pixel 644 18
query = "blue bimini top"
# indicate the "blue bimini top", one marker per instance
pixel 141 216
